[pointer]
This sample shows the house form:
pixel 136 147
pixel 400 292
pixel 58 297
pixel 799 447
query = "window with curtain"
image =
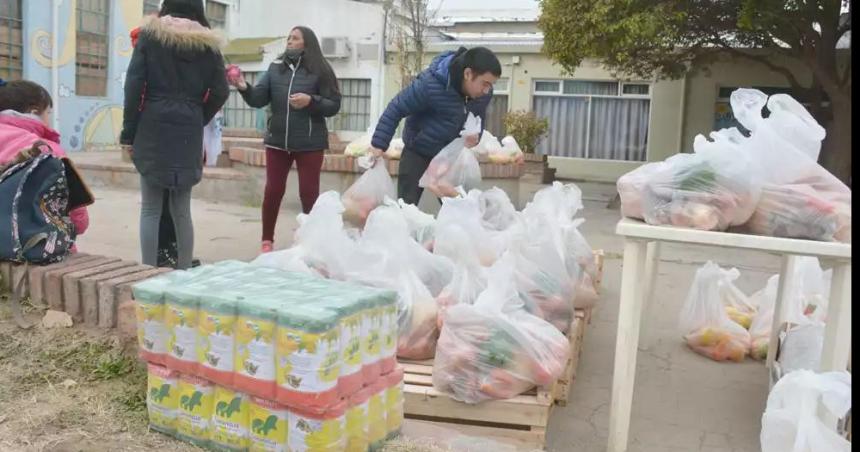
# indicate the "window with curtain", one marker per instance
pixel 594 119
pixel 494 122
pixel 216 14
pixel 91 57
pixel 11 41
pixel 151 7
pixel 354 112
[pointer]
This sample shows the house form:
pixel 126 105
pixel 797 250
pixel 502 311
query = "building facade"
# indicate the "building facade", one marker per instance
pixel 79 50
pixel 350 34
pixel 602 125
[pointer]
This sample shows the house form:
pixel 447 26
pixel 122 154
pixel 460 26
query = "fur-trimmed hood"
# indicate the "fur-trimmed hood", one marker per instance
pixel 181 33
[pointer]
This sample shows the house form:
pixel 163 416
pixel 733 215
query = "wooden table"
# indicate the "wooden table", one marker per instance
pixel 641 257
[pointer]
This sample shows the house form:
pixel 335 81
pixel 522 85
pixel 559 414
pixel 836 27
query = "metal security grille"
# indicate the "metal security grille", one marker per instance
pixel 216 14
pixel 91 57
pixel 11 41
pixel 354 112
pixel 151 6
pixel 237 113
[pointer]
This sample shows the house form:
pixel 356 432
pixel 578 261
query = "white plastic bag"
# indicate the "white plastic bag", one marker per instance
pixel 455 165
pixel 506 152
pixel 466 213
pixel 791 424
pixel 632 185
pixel 713 189
pixel 542 280
pixel 387 235
pixel 360 146
pixel 704 323
pixel 422 226
pixel 395 149
pixel 368 192
pixel 290 260
pixel 327 247
pixel 494 349
pixel 762 322
pixel 469 278
pixel 738 305
pixel 417 312
pixel 801 347
pixel 799 211
pixel 788 143
pixel 498 212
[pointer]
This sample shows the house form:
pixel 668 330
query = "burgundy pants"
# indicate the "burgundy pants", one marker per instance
pixel 278 164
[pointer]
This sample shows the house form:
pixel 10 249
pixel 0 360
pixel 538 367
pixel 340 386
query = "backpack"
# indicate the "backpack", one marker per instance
pixel 35 200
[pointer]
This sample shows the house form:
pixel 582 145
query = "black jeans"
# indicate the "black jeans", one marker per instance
pixel 412 167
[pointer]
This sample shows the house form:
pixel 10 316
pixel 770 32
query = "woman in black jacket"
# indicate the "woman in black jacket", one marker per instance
pixel 174 85
pixel 302 89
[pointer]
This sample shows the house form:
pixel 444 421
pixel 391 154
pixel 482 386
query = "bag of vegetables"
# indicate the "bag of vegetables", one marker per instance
pixel 497 211
pixel 327 247
pixel 360 146
pixel 417 311
pixel 368 192
pixel 803 199
pixel 455 165
pixel 422 226
pixel 494 349
pixel 466 213
pixel 704 322
pixel 469 278
pixel 709 190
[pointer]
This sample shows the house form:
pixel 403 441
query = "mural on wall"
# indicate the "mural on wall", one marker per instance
pixel 85 122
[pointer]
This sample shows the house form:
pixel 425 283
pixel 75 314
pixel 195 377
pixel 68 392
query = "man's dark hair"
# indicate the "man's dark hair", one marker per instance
pixel 481 60
pixel 24 97
pixel 186 9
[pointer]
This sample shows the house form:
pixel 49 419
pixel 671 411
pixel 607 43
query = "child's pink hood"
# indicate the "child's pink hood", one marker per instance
pixel 19 132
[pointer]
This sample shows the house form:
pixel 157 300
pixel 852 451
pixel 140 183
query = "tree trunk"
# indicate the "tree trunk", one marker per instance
pixel 836 149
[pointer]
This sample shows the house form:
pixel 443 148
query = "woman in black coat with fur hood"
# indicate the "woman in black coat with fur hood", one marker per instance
pixel 175 84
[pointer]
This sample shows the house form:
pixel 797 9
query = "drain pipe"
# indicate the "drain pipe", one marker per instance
pixel 55 69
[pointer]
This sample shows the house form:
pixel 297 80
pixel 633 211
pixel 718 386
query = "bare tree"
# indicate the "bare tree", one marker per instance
pixel 409 20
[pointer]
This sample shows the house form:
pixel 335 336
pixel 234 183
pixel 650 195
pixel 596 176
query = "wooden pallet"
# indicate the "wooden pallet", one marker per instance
pixel 520 421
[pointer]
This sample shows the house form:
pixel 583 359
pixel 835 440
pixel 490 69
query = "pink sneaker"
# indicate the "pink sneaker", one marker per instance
pixel 267 247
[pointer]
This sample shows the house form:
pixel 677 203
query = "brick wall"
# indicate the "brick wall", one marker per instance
pixel 93 290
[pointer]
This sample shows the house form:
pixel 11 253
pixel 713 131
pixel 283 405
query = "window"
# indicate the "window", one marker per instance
pixel 494 122
pixel 92 48
pixel 594 119
pixel 11 43
pixel 547 87
pixel 237 113
pixel 354 112
pixel 151 7
pixel 501 86
pixel 216 14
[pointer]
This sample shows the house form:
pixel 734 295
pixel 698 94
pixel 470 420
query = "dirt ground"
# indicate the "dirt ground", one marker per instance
pixel 71 389
pixel 82 390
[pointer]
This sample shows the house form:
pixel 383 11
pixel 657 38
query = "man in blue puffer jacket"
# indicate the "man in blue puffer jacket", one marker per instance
pixel 436 105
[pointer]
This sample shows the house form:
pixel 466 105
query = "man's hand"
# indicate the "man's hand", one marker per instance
pixel 127 148
pixel 300 100
pixel 471 140
pixel 378 153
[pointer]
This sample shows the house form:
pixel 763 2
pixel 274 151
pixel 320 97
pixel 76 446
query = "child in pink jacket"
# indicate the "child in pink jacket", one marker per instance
pixel 25 112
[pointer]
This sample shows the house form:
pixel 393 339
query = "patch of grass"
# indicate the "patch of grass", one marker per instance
pixel 132 397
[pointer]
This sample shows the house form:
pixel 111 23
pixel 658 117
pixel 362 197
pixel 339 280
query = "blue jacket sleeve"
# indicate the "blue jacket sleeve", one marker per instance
pixel 410 101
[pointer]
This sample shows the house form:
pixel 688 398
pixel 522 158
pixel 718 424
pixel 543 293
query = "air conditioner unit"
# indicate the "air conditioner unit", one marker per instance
pixel 335 47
